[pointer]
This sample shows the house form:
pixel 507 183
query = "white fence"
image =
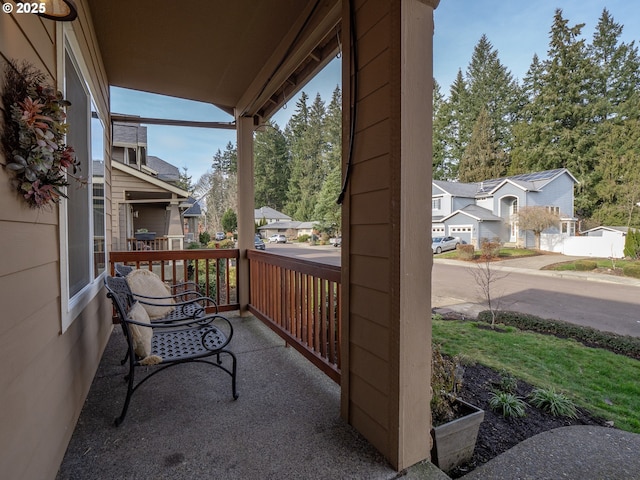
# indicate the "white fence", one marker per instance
pixel 608 245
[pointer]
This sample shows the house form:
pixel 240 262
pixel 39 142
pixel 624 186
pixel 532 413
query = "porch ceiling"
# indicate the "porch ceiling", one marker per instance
pixel 244 54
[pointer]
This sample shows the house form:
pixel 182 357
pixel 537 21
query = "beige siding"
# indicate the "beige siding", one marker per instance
pixel 385 270
pixel 44 375
pixel 155 217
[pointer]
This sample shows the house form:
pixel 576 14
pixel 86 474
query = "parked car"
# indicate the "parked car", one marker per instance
pixel 258 243
pixel 220 236
pixel 442 244
pixel 277 238
pixel 337 242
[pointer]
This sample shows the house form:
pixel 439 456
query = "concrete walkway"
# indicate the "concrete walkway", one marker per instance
pixel 569 453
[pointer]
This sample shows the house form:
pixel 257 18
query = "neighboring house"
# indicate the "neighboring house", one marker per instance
pixel 144 194
pixel 191 219
pixel 291 229
pixel 488 209
pixel 270 215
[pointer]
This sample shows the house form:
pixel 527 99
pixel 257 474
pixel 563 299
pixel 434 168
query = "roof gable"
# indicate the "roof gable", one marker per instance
pixel 480 214
pixel 526 181
pixel 134 172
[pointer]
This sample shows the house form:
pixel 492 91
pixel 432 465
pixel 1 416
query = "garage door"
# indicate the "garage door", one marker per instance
pixel 462 231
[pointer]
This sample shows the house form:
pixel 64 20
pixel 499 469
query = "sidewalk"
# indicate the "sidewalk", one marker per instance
pixel 533 265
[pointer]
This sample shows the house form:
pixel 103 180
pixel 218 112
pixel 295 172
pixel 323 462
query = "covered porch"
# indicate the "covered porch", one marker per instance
pixel 184 423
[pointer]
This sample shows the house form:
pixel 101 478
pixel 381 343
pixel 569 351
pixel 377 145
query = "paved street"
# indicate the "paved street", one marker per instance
pixel 612 307
pixel 606 306
pixel 322 253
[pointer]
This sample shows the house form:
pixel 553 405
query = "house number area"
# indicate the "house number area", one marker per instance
pixel 33 7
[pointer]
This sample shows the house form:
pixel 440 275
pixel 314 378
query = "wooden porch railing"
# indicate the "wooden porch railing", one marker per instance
pixel 300 300
pixel 214 270
pixel 159 243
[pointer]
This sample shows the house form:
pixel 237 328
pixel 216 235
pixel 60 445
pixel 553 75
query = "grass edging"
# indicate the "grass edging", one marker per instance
pixel 620 344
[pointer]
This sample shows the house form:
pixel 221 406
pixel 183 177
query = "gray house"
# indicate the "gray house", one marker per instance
pixel 488 209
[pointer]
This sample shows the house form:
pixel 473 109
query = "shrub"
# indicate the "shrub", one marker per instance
pixel 632 270
pixel 507 403
pixel 632 244
pixel 621 344
pixel 204 238
pixel 228 243
pixel 490 248
pixel 446 381
pixel 555 403
pixel 304 238
pixel 466 252
pixel 584 265
pixel 508 383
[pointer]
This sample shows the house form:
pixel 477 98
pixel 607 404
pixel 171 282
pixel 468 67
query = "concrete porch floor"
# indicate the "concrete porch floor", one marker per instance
pixel 184 424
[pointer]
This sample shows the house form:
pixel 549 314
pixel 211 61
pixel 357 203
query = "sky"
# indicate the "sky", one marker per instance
pixel 517 29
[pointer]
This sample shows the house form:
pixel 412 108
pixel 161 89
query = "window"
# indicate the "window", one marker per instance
pixel 555 210
pixel 568 227
pixel 82 213
pixel 436 203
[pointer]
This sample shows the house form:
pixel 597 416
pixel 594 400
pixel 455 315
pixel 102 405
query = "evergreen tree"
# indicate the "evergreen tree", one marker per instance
pixel 492 88
pixel 440 129
pixel 456 115
pixel 558 125
pixel 617 68
pixel 271 167
pixel 327 211
pixel 307 146
pixel 184 181
pixel 229 221
pixel 618 187
pixel 527 144
pixel 484 157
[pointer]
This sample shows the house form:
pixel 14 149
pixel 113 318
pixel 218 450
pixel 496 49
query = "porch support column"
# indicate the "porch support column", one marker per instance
pixel 246 223
pixel 386 263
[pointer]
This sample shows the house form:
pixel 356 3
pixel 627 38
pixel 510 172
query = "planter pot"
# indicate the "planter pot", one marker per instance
pixel 145 236
pixel 454 442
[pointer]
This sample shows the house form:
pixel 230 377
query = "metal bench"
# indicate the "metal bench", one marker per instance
pixel 191 339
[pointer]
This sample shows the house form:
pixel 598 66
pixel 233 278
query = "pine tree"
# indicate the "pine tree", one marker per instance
pixel 440 128
pixel 271 167
pixel 456 115
pixel 617 68
pixel 184 181
pixel 558 119
pixel 618 187
pixel 307 144
pixel 484 157
pixel 492 88
pixel 327 211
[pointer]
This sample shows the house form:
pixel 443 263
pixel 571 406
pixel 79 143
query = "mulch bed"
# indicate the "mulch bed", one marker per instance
pixel 498 434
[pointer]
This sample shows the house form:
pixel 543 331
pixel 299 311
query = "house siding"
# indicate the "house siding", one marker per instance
pixel 44 375
pixel 460 202
pixel 386 193
pixel 558 193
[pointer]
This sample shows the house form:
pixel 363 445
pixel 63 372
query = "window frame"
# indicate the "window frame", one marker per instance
pixel 72 306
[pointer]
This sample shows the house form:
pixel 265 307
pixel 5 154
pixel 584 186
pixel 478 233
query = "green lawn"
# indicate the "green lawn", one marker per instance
pixel 601 262
pixel 604 383
pixel 504 253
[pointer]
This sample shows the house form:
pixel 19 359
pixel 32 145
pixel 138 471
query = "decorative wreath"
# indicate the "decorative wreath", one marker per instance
pixel 34 135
